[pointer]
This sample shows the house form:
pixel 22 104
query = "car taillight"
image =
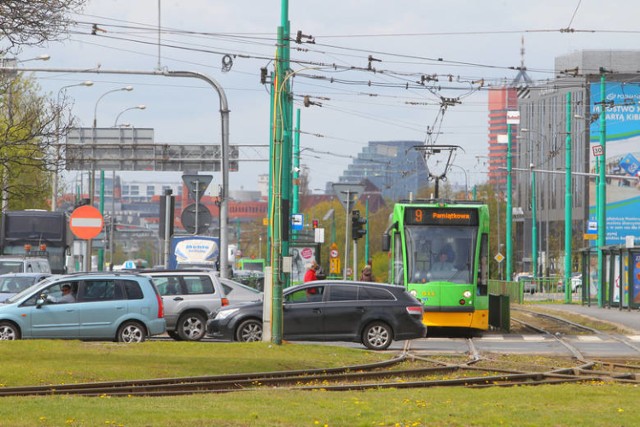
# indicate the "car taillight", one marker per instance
pixel 225 302
pixel 160 306
pixel 414 310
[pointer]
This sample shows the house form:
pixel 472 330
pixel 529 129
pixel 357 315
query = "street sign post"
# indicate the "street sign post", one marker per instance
pixel 197 185
pixel 196 218
pixel 86 222
pixel 348 195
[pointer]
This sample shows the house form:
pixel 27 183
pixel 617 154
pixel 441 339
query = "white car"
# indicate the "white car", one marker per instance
pixel 238 293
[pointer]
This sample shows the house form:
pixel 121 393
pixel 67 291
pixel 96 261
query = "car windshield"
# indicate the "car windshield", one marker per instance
pixel 440 253
pixel 27 291
pixel 7 266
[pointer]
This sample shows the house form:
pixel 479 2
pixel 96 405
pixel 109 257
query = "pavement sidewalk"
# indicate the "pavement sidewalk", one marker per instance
pixel 629 319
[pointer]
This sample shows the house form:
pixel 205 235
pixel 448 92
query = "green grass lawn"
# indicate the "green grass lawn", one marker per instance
pixel 57 362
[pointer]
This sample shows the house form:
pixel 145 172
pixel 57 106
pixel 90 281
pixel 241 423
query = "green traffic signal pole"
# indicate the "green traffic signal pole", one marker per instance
pixel 366 236
pixel 568 204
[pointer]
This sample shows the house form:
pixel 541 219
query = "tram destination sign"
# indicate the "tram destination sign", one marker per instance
pixel 440 216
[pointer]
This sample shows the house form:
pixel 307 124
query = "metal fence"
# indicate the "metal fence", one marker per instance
pixel 528 289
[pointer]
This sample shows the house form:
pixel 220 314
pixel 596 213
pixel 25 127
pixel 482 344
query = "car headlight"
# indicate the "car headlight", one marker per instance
pixel 223 314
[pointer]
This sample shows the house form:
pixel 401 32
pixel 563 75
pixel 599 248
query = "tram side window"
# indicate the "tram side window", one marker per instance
pixel 483 268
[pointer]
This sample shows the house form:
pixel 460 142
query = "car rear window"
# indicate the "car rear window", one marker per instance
pixel 132 289
pixel 369 293
pixel 102 290
pixel 198 285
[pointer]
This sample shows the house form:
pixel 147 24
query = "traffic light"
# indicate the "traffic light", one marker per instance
pixel 315 223
pixel 357 225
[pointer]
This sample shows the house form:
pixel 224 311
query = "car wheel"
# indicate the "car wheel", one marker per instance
pixel 9 332
pixel 174 335
pixel 377 336
pixel 131 332
pixel 191 327
pixel 249 331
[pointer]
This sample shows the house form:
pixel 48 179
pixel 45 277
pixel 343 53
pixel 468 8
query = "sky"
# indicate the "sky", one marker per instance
pixel 450 46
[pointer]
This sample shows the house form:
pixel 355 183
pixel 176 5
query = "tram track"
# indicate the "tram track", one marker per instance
pixel 405 369
pixel 567 326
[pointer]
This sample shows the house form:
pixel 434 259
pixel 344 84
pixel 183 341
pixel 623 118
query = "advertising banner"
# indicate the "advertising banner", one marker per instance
pixel 622 151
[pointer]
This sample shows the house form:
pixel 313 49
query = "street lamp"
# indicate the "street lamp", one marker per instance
pixel 54 188
pixel 113 188
pixel 43 57
pixel 93 178
pixel 95 110
pixel 466 181
pixel 137 107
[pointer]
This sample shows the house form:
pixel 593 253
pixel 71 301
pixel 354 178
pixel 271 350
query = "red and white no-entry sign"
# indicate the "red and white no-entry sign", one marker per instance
pixel 86 222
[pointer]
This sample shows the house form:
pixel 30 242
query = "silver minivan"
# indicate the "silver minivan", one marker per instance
pixel 189 296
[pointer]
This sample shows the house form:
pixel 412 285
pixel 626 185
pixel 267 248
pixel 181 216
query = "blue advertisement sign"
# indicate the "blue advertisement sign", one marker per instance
pixel 630 165
pixel 622 150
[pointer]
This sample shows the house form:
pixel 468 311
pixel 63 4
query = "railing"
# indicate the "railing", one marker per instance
pixel 528 289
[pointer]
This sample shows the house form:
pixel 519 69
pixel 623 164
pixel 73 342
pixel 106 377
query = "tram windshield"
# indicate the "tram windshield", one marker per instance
pixel 436 253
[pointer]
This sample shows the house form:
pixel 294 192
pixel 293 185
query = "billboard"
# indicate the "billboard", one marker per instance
pixel 622 113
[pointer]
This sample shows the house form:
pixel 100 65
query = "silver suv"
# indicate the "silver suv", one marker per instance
pixel 188 297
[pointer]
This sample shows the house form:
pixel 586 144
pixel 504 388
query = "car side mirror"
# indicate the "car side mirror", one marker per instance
pixel 386 242
pixel 41 300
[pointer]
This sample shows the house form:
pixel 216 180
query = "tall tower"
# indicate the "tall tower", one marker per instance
pixel 501 100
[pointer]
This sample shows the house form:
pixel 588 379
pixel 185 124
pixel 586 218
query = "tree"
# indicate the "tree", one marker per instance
pixel 28 131
pixel 33 22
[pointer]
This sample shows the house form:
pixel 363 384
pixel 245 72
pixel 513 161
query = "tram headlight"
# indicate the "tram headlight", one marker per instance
pixel 414 293
pixel 467 294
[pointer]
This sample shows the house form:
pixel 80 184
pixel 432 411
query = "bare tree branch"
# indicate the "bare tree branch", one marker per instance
pixel 33 22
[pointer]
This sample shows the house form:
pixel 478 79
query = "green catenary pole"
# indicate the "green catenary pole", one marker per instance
pixel 568 204
pixel 281 171
pixel 601 208
pixel 509 207
pixel 534 225
pixel 295 196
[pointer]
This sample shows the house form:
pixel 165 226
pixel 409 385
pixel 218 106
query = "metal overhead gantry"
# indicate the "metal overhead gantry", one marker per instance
pixel 224 113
